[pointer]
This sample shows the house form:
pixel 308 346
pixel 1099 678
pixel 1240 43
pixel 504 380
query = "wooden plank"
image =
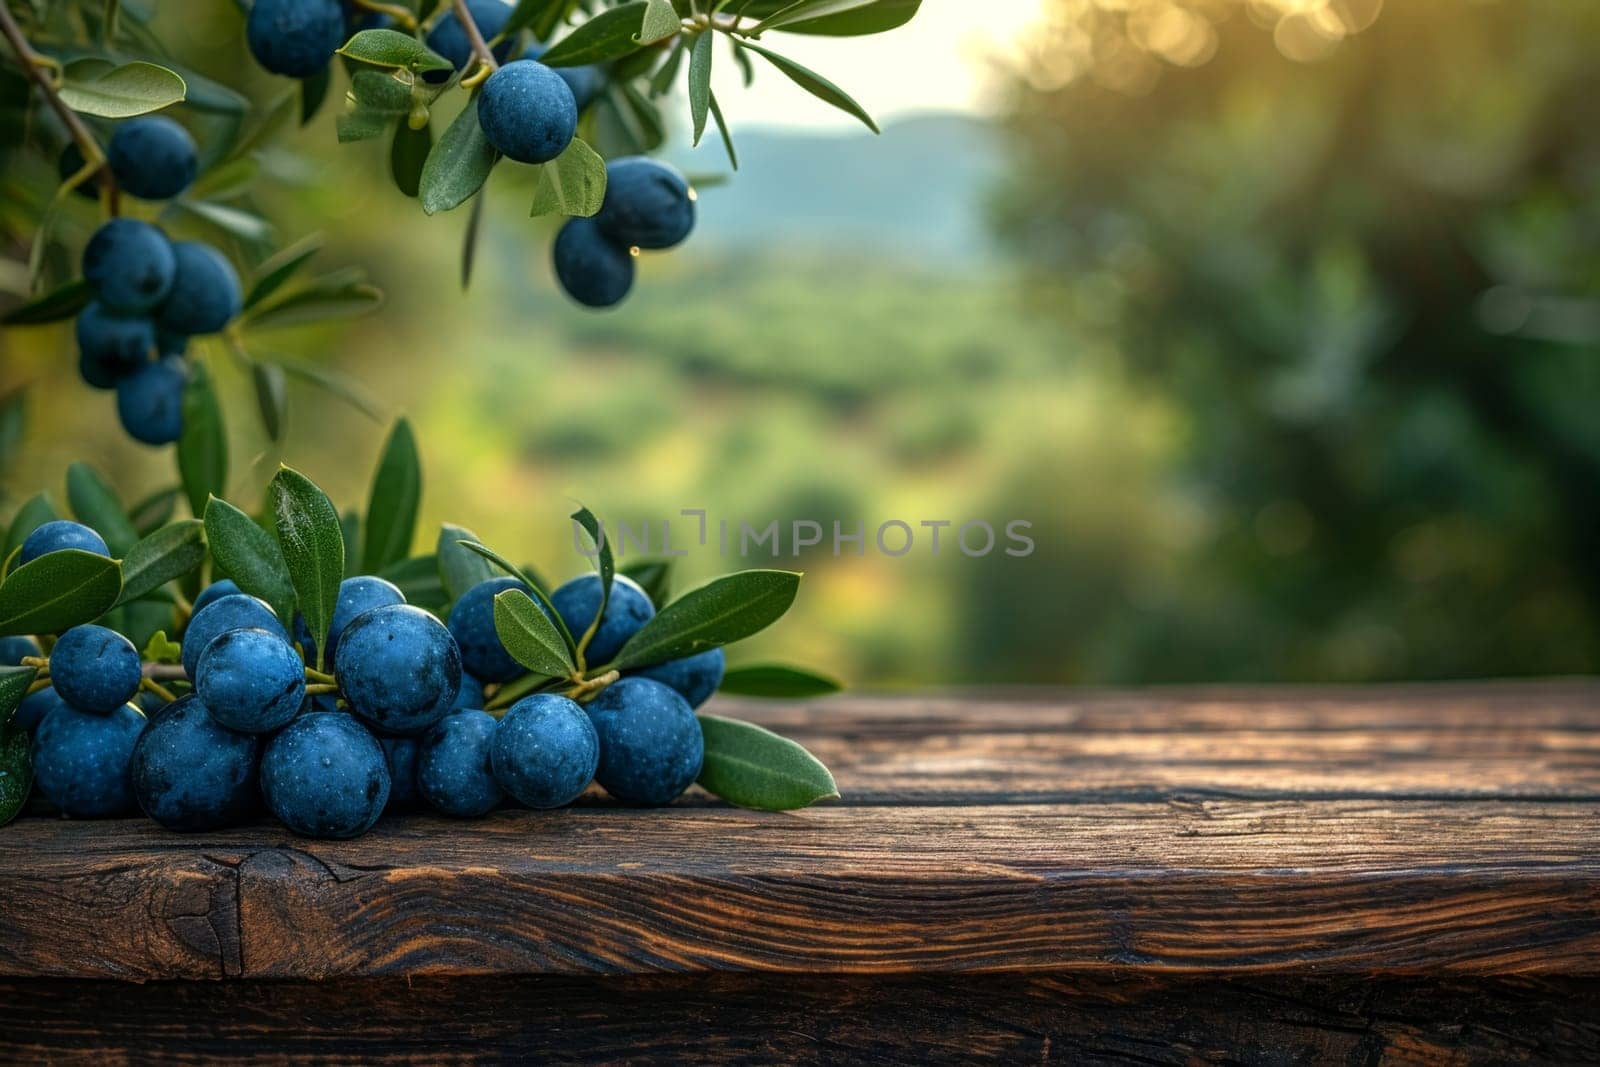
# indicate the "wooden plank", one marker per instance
pixel 711 1019
pixel 1510 740
pixel 1179 887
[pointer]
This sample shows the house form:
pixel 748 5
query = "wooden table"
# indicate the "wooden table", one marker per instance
pixel 1169 876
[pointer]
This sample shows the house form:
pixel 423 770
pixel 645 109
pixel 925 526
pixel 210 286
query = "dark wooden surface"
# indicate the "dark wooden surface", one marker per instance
pixel 1153 876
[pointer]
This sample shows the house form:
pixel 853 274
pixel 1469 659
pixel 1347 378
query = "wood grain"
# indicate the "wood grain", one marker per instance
pixel 1411 831
pixel 769 1019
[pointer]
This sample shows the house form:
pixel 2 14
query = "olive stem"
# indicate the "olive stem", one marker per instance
pixel 320 688
pixel 319 677
pixel 170 672
pixel 35 66
pixel 394 11
pixel 153 686
pixel 41 662
pixel 480 49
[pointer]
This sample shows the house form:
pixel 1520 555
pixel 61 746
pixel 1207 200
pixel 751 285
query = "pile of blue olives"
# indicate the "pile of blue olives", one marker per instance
pixel 397 721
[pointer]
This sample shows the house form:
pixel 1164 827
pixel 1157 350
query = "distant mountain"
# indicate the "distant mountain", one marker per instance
pixel 917 191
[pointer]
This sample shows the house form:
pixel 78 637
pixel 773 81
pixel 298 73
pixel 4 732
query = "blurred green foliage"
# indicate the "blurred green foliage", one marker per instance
pixel 1292 365
pixel 1368 283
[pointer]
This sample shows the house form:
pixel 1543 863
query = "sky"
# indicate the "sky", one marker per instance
pixel 937 62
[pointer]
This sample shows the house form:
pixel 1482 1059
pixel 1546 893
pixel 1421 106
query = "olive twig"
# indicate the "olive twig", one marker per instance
pixel 150 685
pixel 394 11
pixel 35 65
pixel 480 48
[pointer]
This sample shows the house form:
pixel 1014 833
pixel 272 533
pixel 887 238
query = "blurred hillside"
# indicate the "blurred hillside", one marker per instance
pixel 916 192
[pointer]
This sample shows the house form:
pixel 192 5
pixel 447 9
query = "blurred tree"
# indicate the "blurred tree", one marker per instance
pixel 1357 248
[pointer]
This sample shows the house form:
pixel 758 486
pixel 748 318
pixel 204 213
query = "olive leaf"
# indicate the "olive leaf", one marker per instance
pixel 250 556
pixel 58 591
pixel 203 448
pixel 574 183
pixel 753 767
pixel 530 636
pixel 58 304
pixel 120 92
pixel 611 34
pixel 34 513
pixel 313 547
pixel 96 505
pixel 815 84
pixel 776 680
pixel 535 587
pixel 653 575
pixel 272 273
pixel 700 53
pixel 461 568
pixel 722 611
pixel 458 164
pixel 391 48
pixel 392 505
pixel 168 554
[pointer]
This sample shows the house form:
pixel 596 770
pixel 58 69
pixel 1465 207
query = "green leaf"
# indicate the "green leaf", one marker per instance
pixel 776 680
pixel 815 84
pixel 529 635
pixel 34 513
pixel 377 100
pixel 250 556
pixel 350 533
pixel 393 503
pixel 460 568
pixel 469 243
pixel 155 510
pixel 653 575
pixel 272 398
pixel 231 220
pixel 661 81
pixel 700 54
pixel 203 448
pixel 313 547
pixel 16 766
pixel 848 19
pixel 804 10
pixel 458 165
pixel 722 128
pixel 574 183
pixel 225 181
pixel 58 304
pixel 418 578
pixel 166 555
pixel 660 22
pixel 611 34
pixel 58 591
pixel 529 12
pixel 533 584
pixel 337 384
pixel 753 767
pixel 337 298
pixel 391 48
pixel 720 612
pixel 408 152
pixel 97 507
pixel 313 91
pixel 605 565
pixel 162 649
pixel 122 92
pixel 272 273
pixel 14 683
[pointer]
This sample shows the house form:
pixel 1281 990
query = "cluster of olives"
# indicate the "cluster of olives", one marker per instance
pixel 150 294
pixel 399 723
pixel 529 113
